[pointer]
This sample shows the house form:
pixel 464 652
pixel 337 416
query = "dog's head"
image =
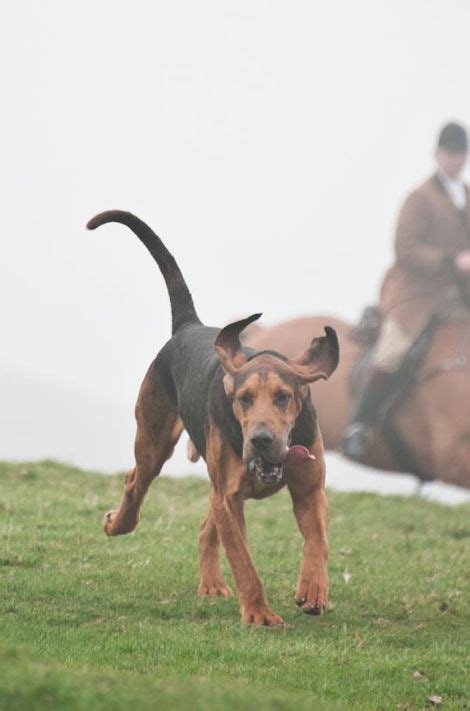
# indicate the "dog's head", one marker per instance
pixel 267 390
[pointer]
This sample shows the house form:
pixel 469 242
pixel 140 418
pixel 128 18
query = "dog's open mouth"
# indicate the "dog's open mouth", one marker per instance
pixel 271 474
pixel 266 472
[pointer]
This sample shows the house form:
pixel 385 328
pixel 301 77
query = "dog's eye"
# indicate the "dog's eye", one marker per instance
pixel 246 399
pixel 281 399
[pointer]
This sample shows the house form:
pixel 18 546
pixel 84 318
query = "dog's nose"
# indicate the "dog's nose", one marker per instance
pixel 261 440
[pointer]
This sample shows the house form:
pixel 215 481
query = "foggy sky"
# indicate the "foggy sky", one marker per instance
pixel 268 143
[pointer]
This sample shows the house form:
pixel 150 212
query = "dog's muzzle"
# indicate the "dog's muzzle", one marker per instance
pixel 271 474
pixel 266 472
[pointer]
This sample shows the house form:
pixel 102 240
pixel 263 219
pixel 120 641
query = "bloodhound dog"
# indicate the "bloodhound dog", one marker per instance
pixel 249 414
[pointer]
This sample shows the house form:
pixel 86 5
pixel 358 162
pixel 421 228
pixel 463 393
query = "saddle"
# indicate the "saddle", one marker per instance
pixel 366 333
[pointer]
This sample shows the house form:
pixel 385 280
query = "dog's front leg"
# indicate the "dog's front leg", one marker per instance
pixel 228 514
pixel 305 481
pixel 228 480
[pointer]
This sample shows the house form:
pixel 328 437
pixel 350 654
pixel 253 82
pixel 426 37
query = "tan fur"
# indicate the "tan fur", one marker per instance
pixel 263 386
pixel 159 428
pixel 231 485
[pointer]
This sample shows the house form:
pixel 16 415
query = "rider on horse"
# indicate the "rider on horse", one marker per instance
pixel 432 253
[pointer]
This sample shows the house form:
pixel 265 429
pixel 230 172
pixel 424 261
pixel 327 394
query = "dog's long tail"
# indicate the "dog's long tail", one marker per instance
pixel 182 306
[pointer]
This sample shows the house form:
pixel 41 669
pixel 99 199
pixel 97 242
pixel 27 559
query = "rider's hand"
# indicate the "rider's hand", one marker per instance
pixel 462 261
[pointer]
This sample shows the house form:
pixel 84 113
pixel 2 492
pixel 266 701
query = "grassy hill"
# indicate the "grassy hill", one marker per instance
pixel 93 623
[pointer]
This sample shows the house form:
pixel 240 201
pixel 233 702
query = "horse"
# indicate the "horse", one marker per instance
pixel 430 423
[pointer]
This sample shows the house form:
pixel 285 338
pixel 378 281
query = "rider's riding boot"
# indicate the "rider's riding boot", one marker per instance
pixel 359 434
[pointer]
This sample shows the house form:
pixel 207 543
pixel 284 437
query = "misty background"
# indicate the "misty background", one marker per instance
pixel 269 144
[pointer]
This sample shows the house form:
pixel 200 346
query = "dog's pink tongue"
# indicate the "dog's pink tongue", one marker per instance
pixel 297 453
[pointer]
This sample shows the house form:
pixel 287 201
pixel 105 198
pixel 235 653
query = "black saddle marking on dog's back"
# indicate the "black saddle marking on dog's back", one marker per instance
pixel 189 371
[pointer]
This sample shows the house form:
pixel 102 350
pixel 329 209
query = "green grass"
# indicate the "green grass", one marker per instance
pixel 88 622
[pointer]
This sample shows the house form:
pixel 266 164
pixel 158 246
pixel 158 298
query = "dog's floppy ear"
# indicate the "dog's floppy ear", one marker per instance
pixel 228 345
pixel 320 359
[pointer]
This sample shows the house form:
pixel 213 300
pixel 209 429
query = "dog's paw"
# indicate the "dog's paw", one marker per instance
pixel 115 525
pixel 312 596
pixel 261 616
pixel 108 522
pixel 214 588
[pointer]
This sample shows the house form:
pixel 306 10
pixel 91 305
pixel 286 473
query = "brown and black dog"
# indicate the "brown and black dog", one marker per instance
pixel 250 415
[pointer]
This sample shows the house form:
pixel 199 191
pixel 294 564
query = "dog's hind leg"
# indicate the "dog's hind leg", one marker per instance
pixel 211 579
pixel 158 430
